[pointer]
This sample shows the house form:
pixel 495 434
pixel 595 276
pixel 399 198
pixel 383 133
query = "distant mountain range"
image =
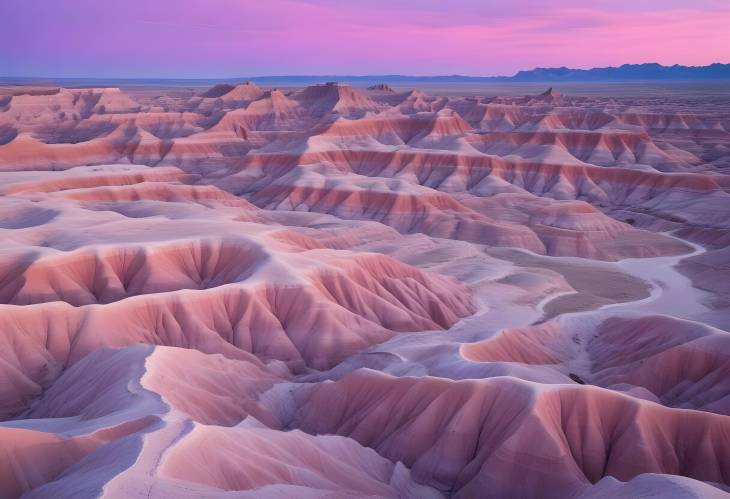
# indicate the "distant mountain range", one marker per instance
pixel 650 71
pixel 627 72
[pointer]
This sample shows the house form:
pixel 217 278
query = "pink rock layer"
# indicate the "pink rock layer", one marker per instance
pixel 334 292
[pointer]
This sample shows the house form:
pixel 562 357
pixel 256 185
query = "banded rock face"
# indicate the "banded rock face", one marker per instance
pixel 335 292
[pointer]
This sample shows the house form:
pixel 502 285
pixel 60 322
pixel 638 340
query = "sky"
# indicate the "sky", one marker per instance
pixel 239 38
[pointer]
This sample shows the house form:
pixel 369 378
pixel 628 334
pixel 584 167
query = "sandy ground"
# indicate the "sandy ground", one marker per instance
pixel 594 284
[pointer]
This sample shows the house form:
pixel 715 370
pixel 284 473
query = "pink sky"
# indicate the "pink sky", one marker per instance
pixel 227 38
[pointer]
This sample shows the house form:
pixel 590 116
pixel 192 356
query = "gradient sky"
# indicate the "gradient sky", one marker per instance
pixel 227 38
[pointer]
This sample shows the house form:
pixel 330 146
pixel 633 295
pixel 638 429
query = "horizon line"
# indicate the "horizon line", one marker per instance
pixel 344 75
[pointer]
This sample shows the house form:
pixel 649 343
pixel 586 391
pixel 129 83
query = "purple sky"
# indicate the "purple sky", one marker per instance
pixel 226 38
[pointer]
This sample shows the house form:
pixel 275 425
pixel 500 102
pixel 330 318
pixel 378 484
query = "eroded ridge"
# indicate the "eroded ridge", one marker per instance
pixel 337 292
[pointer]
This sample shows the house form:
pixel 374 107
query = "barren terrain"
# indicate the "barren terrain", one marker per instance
pixel 336 292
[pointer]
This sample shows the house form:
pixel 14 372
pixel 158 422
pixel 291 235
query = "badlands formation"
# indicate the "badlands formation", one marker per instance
pixel 333 292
